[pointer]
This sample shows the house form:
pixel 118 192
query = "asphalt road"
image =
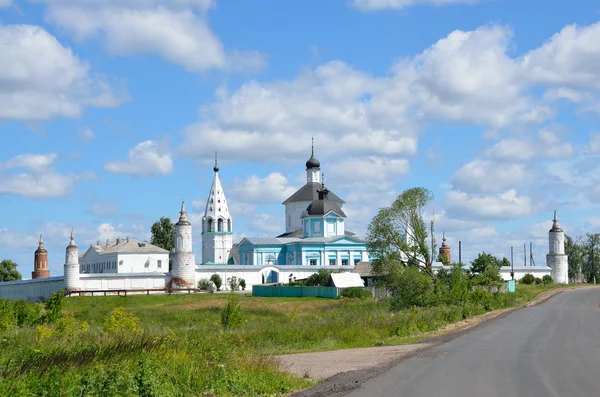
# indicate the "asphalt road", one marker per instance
pixel 552 349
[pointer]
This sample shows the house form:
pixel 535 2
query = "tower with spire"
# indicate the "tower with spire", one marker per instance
pixel 72 280
pixel 184 259
pixel 217 224
pixel 556 259
pixel 445 251
pixel 40 262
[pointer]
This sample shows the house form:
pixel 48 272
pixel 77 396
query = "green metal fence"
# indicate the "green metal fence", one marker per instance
pixel 294 291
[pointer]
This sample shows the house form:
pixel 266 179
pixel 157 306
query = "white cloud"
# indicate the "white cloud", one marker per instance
pixel 59 86
pixel 86 135
pixel 373 5
pixel 176 30
pixel 546 145
pixel 266 223
pixel 33 176
pixel 274 188
pixel 594 144
pixel 5 3
pixel 503 206
pixel 570 58
pixel 378 173
pixel 103 209
pixel 143 160
pixel 489 176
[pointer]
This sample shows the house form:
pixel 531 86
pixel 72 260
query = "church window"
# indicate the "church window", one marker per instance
pixel 218 201
pixel 229 225
pixel 313 262
pixel 159 264
pixel 289 220
pixel 220 225
pixel 210 222
pixel 344 262
pixel 332 262
pixel 356 262
pixel 317 227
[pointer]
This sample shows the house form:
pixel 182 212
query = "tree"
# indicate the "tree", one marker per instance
pixel 397 236
pixel 8 271
pixel 504 262
pixel 575 251
pixel 319 279
pixel 483 261
pixel 217 281
pixel 163 235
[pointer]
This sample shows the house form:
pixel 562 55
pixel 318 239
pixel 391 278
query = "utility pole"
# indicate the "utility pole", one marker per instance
pixel 459 251
pixel 525 254
pixel 512 269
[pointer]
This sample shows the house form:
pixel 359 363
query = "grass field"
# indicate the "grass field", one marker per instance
pixel 175 345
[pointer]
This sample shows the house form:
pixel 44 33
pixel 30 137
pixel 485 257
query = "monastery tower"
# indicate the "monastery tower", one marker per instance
pixel 72 281
pixel 445 250
pixel 217 225
pixel 184 259
pixel 40 262
pixel 556 258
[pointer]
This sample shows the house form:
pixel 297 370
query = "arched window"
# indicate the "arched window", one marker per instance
pixel 220 225
pixel 210 227
pixel 229 225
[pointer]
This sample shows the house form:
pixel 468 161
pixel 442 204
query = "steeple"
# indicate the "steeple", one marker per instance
pixel 72 243
pixel 216 167
pixel 183 215
pixel 445 250
pixel 41 244
pixel 40 262
pixel 555 224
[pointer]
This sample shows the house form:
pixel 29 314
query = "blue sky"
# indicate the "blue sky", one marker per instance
pixel 110 113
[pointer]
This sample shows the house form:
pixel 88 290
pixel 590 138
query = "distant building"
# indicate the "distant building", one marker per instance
pixel 124 256
pixel 445 251
pixel 556 259
pixel 40 262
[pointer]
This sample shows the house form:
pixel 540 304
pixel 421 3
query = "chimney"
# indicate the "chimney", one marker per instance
pixel 107 241
pixel 118 240
pixel 127 238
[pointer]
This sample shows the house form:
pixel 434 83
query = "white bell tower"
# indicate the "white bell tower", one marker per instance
pixel 184 259
pixel 556 259
pixel 217 224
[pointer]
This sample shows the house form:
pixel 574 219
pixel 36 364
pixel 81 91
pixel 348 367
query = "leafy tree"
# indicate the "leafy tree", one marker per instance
pixel 321 278
pixel 163 236
pixel 397 236
pixel 8 271
pixel 504 262
pixel 483 261
pixel 575 250
pixel 413 288
pixel 53 306
pixel 547 279
pixel 528 279
pixel 216 279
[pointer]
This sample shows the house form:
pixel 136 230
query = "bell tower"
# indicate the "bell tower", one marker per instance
pixel 40 262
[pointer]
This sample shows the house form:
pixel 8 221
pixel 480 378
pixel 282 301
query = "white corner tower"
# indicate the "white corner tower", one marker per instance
pixel 72 280
pixel 556 258
pixel 184 259
pixel 217 225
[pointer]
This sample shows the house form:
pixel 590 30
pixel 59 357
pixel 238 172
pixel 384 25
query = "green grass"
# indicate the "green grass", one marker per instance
pixel 182 349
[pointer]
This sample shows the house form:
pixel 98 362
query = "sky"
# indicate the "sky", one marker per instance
pixel 111 111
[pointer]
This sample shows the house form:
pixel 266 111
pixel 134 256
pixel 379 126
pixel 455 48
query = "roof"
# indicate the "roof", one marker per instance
pixel 293 240
pixel 308 192
pixel 347 280
pixel 131 246
pixel 299 233
pixel 324 206
pixel 364 269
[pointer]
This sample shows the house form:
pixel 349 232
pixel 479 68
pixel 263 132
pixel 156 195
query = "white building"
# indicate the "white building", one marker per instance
pixel 556 259
pixel 124 256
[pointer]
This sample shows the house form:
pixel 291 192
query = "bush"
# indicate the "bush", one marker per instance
pixel 412 288
pixel 233 283
pixel 204 284
pixel 547 280
pixel 26 313
pixel 53 306
pixel 537 280
pixel 528 279
pixel 243 284
pixel 120 321
pixel 356 292
pixel 231 315
pixel 319 279
pixel 216 279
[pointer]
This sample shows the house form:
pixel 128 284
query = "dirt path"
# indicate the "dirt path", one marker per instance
pixel 345 370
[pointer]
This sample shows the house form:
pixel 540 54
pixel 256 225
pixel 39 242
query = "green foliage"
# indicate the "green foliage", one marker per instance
pixel 121 322
pixel 233 283
pixel 490 277
pixel 231 314
pixel 243 284
pixel 412 288
pixel 537 281
pixel 399 231
pixel 547 280
pixel 528 279
pixel 356 292
pixel 319 279
pixel 483 262
pixel 204 284
pixel 216 279
pixel 53 306
pixel 26 313
pixel 8 271
pixel 163 235
pixel 504 262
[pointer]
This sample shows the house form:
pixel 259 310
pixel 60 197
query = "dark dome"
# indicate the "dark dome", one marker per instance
pixel 313 163
pixel 323 205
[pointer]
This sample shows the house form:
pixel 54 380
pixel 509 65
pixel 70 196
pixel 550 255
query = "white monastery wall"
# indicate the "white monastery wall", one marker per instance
pixel 38 289
pixel 95 282
pixel 143 263
pixel 536 271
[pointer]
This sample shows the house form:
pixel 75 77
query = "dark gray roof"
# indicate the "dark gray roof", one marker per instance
pixel 309 192
pixel 299 233
pixel 323 207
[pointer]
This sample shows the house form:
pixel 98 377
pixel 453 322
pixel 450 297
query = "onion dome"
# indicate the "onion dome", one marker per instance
pixel 312 161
